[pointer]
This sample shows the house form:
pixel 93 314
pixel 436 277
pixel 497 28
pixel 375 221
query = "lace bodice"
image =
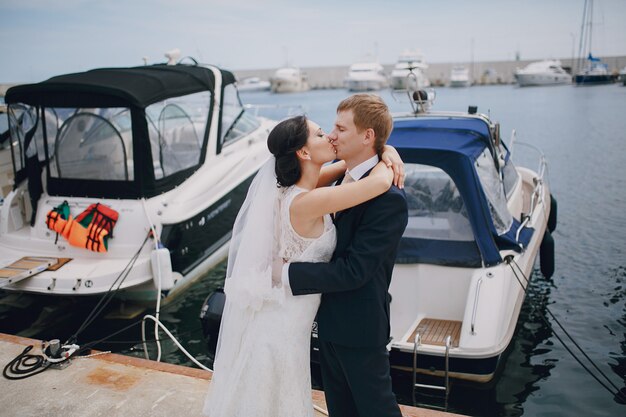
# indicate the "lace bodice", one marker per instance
pixel 295 248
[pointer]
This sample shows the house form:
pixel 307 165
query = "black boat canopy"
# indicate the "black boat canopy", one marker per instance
pixel 117 87
pixel 114 132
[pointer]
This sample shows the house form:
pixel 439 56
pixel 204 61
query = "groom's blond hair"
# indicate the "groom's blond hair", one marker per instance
pixel 370 111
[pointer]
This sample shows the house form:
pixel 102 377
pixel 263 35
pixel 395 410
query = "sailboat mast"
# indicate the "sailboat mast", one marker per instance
pixel 583 38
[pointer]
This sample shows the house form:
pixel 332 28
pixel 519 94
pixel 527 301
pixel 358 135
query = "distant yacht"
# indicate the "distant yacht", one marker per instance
pixel 459 77
pixel 366 76
pixel 253 84
pixel 399 75
pixel 547 72
pixel 289 80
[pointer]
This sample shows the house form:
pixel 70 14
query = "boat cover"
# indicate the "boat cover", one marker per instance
pixel 117 87
pixel 134 88
pixel 453 144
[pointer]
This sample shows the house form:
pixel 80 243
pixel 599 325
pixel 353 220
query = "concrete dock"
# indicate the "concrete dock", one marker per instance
pixel 116 386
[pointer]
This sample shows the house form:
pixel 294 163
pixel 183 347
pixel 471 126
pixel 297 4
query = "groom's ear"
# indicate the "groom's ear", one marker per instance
pixel 369 137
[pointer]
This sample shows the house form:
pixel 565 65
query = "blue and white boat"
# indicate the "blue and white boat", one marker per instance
pixel 591 71
pixel 594 72
pixel 477 223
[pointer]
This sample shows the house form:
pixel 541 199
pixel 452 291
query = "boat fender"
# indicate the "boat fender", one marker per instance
pixel 546 255
pixel 162 264
pixel 552 217
pixel 211 315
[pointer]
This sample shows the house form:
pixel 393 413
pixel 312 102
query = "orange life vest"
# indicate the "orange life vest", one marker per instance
pixel 90 229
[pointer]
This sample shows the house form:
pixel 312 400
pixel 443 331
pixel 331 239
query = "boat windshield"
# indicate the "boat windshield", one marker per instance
pixel 494 191
pixel 436 208
pixel 22 120
pixel 93 144
pixel 177 128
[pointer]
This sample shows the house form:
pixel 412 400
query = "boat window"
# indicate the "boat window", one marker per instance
pixel 436 208
pixel 94 144
pixel 511 176
pixel 177 127
pixel 22 119
pixel 236 121
pixel 494 191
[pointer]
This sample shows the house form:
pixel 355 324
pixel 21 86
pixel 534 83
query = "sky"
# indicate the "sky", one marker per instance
pixel 43 38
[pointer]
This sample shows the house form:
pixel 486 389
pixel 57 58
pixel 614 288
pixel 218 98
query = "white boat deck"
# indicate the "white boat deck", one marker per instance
pixel 116 386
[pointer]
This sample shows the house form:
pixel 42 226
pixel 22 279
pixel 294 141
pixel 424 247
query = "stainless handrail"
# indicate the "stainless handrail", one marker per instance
pixel 473 325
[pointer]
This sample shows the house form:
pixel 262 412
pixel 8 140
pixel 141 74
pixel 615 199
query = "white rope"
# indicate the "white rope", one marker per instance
pixel 320 409
pixel 171 336
pixel 93 354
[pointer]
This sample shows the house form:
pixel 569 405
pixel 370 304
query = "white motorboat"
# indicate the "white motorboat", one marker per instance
pixel 547 72
pixel 366 76
pixel 477 223
pixel 253 84
pixel 289 80
pixel 459 77
pixel 168 150
pixel 409 72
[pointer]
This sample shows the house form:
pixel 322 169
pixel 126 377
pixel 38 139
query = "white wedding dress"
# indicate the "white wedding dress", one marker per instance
pixel 269 376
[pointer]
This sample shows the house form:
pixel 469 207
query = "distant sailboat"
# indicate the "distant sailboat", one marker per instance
pixel 592 71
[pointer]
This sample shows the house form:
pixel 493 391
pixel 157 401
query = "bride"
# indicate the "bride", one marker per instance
pixel 262 361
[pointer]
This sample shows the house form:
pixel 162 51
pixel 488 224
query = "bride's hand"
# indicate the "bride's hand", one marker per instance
pixel 383 171
pixel 392 159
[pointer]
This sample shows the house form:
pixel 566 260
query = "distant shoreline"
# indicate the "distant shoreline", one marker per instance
pixel 481 73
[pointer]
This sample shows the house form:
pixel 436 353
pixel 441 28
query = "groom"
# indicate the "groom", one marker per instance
pixel 353 318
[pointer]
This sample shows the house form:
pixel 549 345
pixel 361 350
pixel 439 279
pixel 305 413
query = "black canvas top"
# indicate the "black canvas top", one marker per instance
pixel 117 87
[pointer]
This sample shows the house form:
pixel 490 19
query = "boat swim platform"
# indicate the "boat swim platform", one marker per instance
pixel 115 385
pixel 435 332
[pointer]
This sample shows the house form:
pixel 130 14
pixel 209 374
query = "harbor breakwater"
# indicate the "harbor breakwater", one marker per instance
pixel 481 73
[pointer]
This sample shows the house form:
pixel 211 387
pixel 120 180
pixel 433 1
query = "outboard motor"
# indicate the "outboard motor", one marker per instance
pixel 211 316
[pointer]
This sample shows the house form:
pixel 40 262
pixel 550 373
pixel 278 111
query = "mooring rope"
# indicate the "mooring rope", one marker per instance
pixel 618 393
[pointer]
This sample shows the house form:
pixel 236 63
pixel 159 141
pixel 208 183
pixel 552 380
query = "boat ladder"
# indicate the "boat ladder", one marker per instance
pixel 446 386
pixel 24 268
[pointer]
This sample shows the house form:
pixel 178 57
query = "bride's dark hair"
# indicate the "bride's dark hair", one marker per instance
pixel 283 141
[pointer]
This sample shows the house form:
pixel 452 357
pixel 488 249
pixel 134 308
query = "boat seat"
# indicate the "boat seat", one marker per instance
pixel 435 331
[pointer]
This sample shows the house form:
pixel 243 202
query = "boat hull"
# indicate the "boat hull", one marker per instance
pixel 484 303
pixel 364 85
pixel 400 80
pixel 195 244
pixel 288 85
pixel 459 83
pixel 581 79
pixel 527 80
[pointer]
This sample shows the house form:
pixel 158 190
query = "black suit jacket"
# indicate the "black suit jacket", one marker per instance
pixel 355 303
